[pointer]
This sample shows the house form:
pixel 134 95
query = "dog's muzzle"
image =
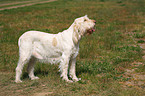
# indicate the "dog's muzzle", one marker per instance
pixel 90 31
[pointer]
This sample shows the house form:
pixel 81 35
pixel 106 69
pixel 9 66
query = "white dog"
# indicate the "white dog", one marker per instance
pixel 59 48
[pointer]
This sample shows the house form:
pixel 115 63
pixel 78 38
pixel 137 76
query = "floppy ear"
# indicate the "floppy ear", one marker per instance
pixel 75 28
pixel 76 36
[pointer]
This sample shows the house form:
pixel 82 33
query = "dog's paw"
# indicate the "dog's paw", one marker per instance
pixel 18 81
pixel 67 80
pixel 76 79
pixel 34 78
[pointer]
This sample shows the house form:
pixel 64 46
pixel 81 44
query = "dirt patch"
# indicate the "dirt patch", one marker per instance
pixel 27 4
pixel 135 79
pixel 14 3
pixel 43 94
pixel 143 57
pixel 142 46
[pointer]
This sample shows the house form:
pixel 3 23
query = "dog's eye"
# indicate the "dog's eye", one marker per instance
pixel 85 20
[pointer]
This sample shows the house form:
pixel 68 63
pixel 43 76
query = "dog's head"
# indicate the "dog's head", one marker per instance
pixel 84 25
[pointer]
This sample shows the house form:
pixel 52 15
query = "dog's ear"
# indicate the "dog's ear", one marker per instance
pixel 75 34
pixel 75 28
pixel 75 37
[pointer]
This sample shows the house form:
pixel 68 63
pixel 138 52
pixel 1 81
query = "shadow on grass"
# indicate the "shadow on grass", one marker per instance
pixel 42 70
pixel 37 73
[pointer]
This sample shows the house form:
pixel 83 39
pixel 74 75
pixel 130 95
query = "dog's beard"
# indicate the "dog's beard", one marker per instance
pixel 90 31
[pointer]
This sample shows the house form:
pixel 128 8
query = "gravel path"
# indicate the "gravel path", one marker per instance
pixel 17 6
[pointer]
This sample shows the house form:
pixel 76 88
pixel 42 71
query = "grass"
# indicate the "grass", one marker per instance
pixel 103 56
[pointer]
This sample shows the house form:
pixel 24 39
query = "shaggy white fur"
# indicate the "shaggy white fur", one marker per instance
pixel 59 48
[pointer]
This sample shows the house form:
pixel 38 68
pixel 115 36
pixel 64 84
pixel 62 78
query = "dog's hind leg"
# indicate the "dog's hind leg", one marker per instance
pixel 22 61
pixel 25 53
pixel 30 68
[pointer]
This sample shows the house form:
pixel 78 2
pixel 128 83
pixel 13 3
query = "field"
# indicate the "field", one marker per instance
pixel 111 61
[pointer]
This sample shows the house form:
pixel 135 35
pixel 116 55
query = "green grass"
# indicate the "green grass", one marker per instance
pixel 103 56
pixel 141 41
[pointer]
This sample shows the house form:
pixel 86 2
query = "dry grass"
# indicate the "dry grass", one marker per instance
pixel 104 56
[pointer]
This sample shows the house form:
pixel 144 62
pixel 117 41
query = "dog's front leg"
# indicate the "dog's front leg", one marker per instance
pixel 72 71
pixel 64 69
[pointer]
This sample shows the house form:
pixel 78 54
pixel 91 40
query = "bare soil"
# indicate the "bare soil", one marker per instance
pixel 17 6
